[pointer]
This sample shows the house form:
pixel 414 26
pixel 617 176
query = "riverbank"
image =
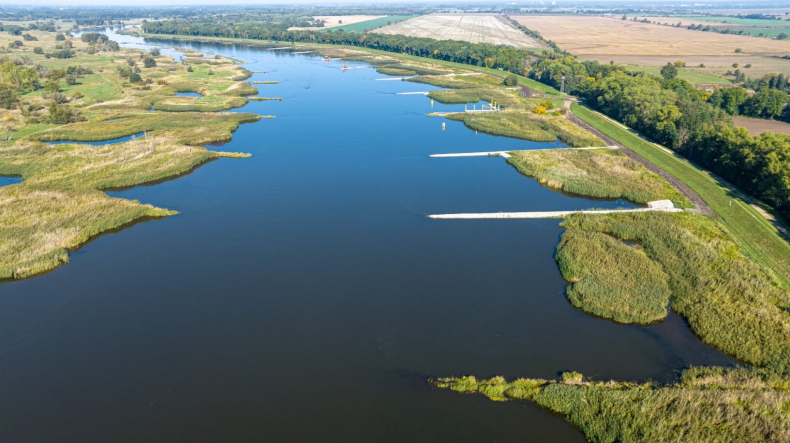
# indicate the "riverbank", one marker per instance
pixel 102 93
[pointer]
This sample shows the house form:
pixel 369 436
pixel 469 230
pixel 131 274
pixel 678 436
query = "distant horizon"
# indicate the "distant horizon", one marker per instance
pixel 178 3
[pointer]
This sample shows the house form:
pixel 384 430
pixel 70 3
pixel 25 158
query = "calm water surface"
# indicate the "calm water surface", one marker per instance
pixel 302 295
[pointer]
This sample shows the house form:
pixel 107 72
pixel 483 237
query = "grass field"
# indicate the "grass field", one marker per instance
pixel 757 126
pixel 370 25
pixel 601 36
pixel 695 78
pixel 474 28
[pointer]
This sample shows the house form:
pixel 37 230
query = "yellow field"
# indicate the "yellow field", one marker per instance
pixel 473 28
pixel 601 36
pixel 333 21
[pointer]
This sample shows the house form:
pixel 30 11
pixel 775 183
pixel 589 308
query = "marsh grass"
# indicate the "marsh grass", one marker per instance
pixel 386 70
pixel 730 302
pixel 60 204
pixel 505 99
pixel 188 127
pixel 707 405
pixel 528 126
pixel 604 173
pixel 612 280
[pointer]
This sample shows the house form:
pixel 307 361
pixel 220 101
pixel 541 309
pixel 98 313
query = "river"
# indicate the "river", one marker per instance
pixel 302 294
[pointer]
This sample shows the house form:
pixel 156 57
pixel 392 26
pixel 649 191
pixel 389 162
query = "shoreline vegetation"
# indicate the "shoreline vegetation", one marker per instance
pixel 102 92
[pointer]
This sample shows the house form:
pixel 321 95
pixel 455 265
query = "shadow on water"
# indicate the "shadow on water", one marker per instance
pixel 299 296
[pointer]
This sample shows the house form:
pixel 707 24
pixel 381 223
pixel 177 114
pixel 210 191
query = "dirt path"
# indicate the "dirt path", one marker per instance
pixel 700 207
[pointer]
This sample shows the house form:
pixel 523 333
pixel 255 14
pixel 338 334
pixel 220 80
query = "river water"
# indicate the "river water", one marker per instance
pixel 302 295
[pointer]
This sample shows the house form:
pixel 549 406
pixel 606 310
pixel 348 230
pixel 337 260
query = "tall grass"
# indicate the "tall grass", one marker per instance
pixel 612 280
pixel 729 302
pixel 190 128
pixel 602 173
pixel 528 126
pixel 503 98
pixel 708 405
pixel 60 204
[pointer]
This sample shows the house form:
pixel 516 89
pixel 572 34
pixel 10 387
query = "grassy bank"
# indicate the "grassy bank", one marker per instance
pixel 707 405
pixel 757 237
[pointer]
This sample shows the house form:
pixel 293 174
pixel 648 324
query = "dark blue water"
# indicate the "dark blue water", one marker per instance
pixel 302 295
pixel 100 142
pixel 5 181
pixel 188 94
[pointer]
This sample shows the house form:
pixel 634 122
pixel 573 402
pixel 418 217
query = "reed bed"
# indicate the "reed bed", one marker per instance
pixel 730 302
pixel 193 128
pixel 604 173
pixel 503 98
pixel 707 405
pixel 611 279
pixel 528 126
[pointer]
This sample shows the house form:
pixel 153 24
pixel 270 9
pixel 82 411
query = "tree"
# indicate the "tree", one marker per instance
pixel 155 52
pixel 511 80
pixel 669 71
pixel 149 62
pixel 782 36
pixel 38 50
pixel 60 37
pixel 7 97
pixel 60 114
pixel 766 103
pixel 135 78
pixel 729 99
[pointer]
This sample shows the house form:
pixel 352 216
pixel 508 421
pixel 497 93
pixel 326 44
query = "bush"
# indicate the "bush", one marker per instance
pixel 135 78
pixel 540 110
pixel 149 62
pixel 8 97
pixel 155 52
pixel 60 37
pixel 511 80
pixel 38 50
pixel 735 65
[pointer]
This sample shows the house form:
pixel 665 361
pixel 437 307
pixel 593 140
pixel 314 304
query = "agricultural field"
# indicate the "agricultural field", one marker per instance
pixel 370 25
pixel 757 126
pixel 601 36
pixel 334 21
pixel 473 28
pixel 753 27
